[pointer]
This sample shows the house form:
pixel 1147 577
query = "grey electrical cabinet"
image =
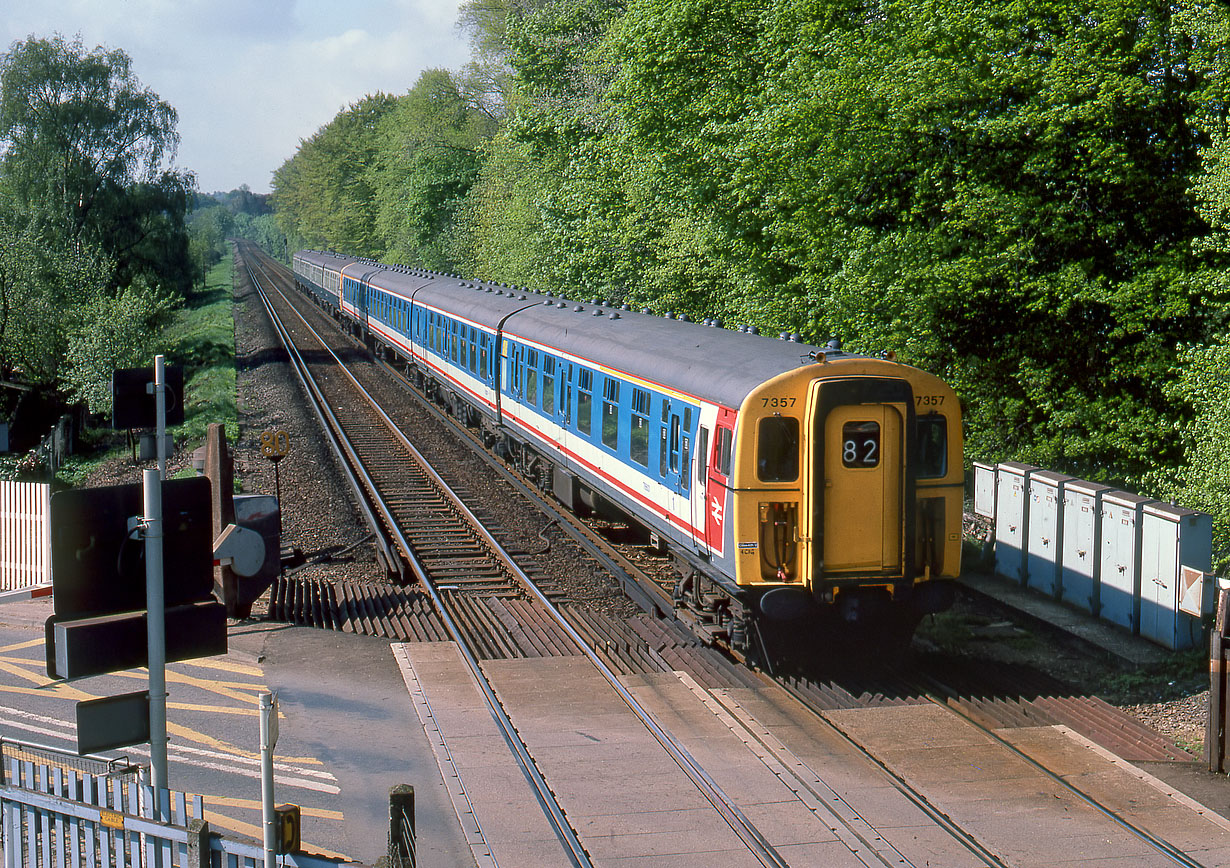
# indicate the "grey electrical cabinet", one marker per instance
pixel 1119 587
pixel 1012 519
pixel 1081 548
pixel 1173 601
pixel 984 490
pixel 1044 531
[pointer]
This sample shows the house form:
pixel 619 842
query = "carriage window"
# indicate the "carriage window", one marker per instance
pixel 548 385
pixel 932 439
pixel 585 402
pixel 777 455
pixel 721 452
pixel 610 413
pixel 639 445
pixel 531 373
pixel 860 444
pixel 702 455
pixel 674 444
pixel 662 449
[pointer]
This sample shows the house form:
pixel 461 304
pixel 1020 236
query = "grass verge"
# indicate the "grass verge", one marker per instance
pixel 202 339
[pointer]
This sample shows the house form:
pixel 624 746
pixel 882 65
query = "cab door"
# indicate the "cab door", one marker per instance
pixel 856 466
pixel 863 462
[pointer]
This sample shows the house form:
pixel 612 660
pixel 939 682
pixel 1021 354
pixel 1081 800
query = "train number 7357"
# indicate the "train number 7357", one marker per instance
pixel 778 401
pixel 928 400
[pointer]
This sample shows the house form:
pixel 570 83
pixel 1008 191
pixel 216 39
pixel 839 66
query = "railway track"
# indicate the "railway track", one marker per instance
pixel 991 702
pixel 520 622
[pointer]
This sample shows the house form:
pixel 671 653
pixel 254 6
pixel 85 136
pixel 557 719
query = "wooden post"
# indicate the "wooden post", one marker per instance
pixel 221 472
pixel 198 844
pixel 401 826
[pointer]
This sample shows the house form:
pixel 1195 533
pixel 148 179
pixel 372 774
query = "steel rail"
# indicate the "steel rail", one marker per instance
pixel 900 784
pixel 546 799
pixel 648 595
pixel 329 425
pixel 1162 846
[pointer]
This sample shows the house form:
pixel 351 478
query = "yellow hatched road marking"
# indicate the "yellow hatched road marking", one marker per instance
pixel 231 689
pixel 220 709
pixel 221 665
pixel 23 672
pixel 57 689
pixel 19 646
pixel 20 667
pixel 255 805
pixel 257 832
pixel 60 690
pixel 189 734
pixel 180 678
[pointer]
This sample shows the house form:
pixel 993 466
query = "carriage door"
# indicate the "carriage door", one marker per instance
pixel 675 459
pixel 864 457
pixel 563 406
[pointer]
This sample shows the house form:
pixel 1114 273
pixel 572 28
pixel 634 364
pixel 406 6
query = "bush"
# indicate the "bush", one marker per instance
pixel 113 332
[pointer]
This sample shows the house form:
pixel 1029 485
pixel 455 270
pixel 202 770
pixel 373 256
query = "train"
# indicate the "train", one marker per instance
pixel 799 489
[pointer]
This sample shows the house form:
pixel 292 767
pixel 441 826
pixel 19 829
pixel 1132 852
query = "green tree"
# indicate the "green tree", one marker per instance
pixel 264 231
pixel 17 266
pixel 86 155
pixel 998 191
pixel 557 130
pixel 209 227
pixel 323 195
pixel 40 291
pixel 1201 375
pixel 93 215
pixel 113 332
pixel 428 160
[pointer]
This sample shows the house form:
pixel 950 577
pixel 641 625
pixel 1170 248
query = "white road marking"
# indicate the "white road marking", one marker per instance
pixel 297 776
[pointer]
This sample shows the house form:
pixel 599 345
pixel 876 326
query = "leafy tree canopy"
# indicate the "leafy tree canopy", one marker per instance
pixel 92 214
pixel 87 153
pixel 1030 199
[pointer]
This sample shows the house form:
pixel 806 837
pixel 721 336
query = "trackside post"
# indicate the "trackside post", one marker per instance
pixel 401 827
pixel 156 630
pixel 1219 644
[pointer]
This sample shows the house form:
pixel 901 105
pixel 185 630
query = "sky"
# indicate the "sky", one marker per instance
pixel 251 78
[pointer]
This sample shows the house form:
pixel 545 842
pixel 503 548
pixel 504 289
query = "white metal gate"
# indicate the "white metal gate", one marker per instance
pixel 25 534
pixel 67 811
pixel 58 809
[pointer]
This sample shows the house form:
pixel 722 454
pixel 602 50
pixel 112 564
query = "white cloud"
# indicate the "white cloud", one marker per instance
pixel 251 78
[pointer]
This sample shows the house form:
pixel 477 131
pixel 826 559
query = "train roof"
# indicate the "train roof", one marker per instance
pixel 712 363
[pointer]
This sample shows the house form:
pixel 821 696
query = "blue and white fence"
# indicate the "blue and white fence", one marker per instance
pixel 70 811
